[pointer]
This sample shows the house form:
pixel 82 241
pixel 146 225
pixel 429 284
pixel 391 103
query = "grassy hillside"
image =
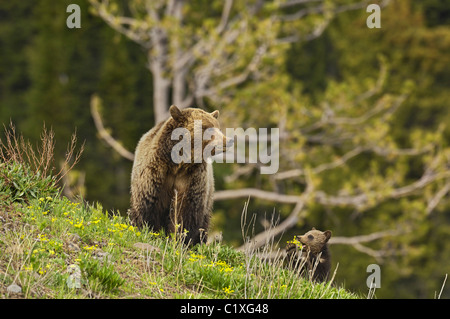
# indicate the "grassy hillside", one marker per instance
pixel 51 247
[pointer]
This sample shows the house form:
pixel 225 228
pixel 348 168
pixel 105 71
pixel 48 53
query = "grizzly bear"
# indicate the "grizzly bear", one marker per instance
pixel 174 193
pixel 313 256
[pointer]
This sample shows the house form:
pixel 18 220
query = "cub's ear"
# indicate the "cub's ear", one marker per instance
pixel 215 114
pixel 175 113
pixel 327 234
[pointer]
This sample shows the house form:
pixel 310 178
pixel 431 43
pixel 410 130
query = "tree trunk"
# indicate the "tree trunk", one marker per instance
pixel 157 59
pixel 160 93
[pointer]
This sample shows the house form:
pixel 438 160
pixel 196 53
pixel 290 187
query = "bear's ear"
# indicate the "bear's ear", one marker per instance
pixel 215 114
pixel 327 234
pixel 175 113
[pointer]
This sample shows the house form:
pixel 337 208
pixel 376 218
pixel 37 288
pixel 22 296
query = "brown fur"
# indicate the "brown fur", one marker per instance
pixel 314 255
pixel 165 194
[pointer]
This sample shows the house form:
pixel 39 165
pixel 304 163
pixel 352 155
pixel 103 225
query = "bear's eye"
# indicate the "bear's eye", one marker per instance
pixel 310 237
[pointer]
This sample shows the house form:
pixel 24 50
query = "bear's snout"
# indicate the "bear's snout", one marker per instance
pixel 302 240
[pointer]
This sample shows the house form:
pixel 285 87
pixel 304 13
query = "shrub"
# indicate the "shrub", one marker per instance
pixel 27 172
pixel 19 184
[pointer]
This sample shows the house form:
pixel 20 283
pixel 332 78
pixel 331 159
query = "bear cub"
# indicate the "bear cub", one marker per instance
pixel 314 255
pixel 175 193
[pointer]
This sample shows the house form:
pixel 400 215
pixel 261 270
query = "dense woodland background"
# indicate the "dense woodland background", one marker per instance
pixel 364 112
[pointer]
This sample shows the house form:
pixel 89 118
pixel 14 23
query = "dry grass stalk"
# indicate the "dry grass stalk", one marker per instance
pixel 40 159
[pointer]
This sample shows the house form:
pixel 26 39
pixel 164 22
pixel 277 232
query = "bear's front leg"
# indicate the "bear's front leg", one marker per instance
pixel 191 211
pixel 146 203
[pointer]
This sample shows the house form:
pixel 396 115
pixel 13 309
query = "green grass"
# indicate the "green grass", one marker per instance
pixel 55 248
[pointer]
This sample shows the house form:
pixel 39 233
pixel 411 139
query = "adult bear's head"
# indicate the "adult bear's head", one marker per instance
pixel 198 133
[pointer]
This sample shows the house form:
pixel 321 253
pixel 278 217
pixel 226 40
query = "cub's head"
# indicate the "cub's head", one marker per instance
pixel 198 131
pixel 315 240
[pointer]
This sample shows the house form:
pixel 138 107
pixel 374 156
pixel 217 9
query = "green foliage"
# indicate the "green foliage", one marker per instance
pixel 101 274
pixel 19 184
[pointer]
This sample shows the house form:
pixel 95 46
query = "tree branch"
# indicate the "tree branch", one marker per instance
pixel 319 9
pixel 363 238
pixel 138 34
pixel 321 168
pixel 225 16
pixel 95 103
pixel 349 155
pixel 438 197
pixel 292 3
pixel 256 193
pixel 360 201
pixel 262 238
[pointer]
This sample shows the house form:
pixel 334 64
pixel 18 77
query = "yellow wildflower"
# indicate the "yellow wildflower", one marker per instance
pixel 195 257
pixel 41 237
pixel 295 241
pixel 96 221
pixel 89 248
pixel 228 290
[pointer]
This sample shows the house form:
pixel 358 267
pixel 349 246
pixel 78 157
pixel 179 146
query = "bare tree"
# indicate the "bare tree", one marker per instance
pixel 191 60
